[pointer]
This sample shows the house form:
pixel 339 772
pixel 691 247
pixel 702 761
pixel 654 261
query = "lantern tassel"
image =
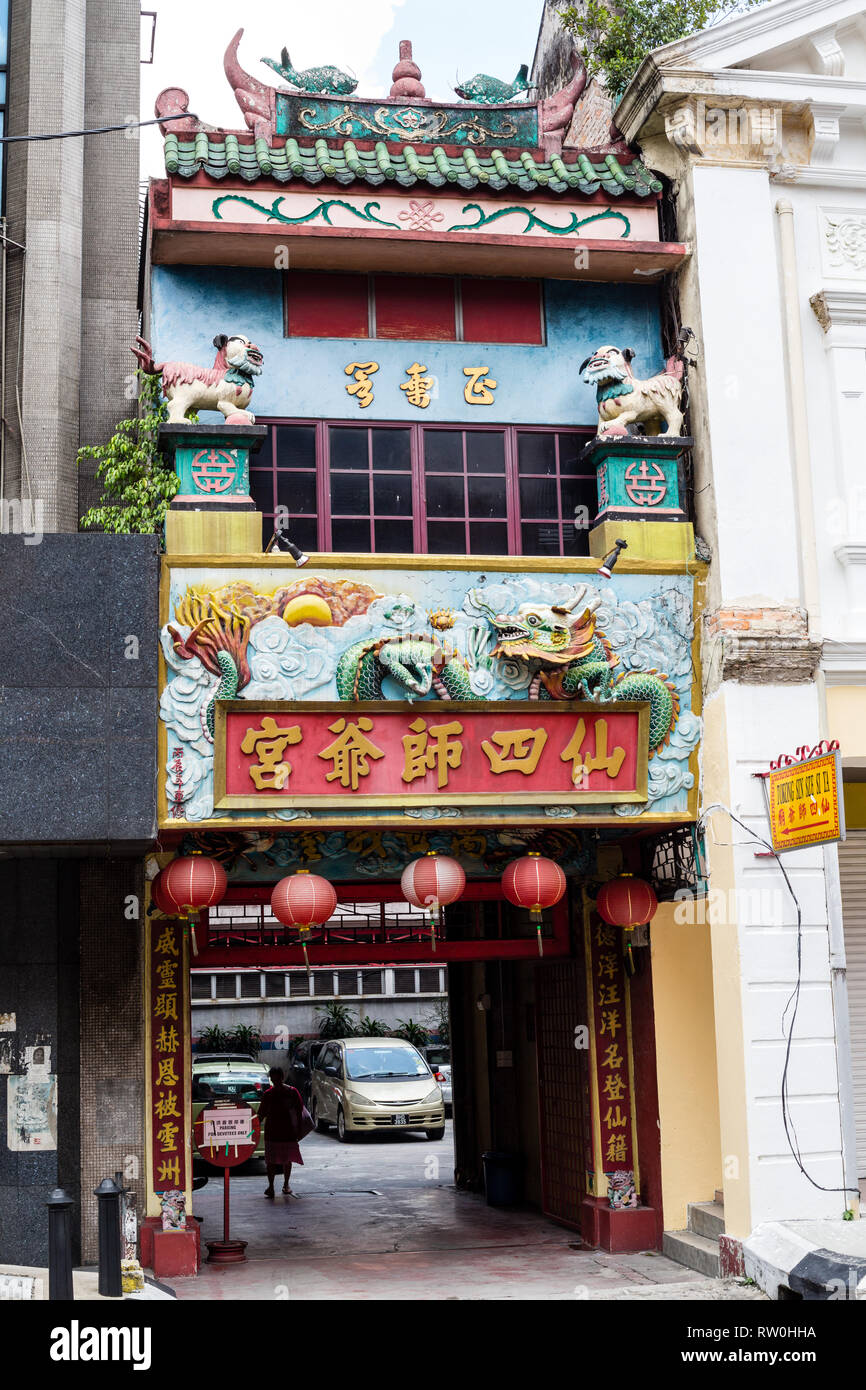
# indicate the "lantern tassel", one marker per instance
pixel 189 922
pixel 307 963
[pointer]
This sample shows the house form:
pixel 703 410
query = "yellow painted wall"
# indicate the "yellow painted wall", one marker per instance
pixel 686 1064
pixel 846 718
pixel 855 805
pixel 727 985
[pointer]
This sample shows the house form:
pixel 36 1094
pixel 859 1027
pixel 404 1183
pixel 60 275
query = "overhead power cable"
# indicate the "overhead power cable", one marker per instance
pixel 99 129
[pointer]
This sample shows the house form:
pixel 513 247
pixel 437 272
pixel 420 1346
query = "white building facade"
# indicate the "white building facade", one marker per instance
pixel 760 125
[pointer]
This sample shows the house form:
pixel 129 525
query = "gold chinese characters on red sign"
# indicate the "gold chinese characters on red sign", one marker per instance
pixel 167 1000
pixel 393 754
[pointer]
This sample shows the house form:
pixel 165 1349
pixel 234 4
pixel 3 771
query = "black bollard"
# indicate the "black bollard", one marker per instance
pixel 59 1206
pixel 108 1196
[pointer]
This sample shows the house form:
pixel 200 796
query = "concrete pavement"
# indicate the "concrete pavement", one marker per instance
pixel 381 1219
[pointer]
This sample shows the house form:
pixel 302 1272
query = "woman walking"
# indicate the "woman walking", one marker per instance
pixel 286 1122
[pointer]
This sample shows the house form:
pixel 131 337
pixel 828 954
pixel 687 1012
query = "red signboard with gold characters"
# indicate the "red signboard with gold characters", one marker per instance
pixel 607 988
pixel 167 999
pixel 387 753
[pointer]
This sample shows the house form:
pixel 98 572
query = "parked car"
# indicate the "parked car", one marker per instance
pixel 363 1084
pixel 300 1069
pixel 227 1076
pixel 439 1060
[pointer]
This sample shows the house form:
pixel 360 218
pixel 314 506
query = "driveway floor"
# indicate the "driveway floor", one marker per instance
pixel 381 1219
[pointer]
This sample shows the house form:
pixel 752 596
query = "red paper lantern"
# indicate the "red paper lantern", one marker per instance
pixel 303 900
pixel 433 882
pixel 626 902
pixel 158 898
pixel 192 882
pixel 535 883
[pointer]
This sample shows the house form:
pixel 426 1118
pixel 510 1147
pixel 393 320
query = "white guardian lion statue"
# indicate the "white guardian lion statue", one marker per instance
pixel 226 386
pixel 623 400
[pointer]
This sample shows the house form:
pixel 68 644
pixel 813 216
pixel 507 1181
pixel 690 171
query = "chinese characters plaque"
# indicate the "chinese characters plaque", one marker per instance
pixel 385 754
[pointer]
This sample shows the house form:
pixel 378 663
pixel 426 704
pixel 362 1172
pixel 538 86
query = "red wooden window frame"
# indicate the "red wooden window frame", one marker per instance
pixel 414 306
pixel 429 308
pixel 512 308
pixel 314 530
pixel 338 301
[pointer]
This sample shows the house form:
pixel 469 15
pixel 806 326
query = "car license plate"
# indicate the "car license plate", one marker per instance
pixel 400 1119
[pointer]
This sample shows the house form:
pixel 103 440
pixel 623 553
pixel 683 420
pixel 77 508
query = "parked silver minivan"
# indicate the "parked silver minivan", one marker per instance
pixel 363 1084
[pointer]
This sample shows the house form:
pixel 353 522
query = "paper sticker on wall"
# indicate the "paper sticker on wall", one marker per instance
pixel 31 1105
pixel 7 1042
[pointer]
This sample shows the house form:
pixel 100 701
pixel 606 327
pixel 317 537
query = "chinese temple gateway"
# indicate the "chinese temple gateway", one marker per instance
pixel 430 592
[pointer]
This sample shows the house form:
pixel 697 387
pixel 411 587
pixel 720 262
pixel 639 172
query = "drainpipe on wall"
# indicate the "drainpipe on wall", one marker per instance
pixel 808 546
pixel 811 597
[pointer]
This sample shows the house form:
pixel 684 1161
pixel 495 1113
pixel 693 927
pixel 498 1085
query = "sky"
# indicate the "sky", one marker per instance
pixel 451 39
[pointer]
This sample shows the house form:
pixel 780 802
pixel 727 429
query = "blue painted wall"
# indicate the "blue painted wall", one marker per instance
pixel 304 377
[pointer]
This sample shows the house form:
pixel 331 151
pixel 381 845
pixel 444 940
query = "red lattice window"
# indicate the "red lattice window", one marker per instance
pixel 437 489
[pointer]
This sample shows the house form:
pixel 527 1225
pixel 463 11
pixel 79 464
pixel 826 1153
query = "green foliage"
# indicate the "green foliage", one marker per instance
pixel 372 1028
pixel 243 1038
pixel 412 1032
pixel 336 1020
pixel 138 484
pixel 614 41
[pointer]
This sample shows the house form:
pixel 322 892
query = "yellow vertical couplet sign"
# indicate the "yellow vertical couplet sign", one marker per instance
pixel 804 804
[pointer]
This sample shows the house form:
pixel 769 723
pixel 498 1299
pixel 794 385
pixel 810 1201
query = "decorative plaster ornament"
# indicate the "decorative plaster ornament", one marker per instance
pixel 484 90
pixel 227 386
pixel 324 79
pixel 575 660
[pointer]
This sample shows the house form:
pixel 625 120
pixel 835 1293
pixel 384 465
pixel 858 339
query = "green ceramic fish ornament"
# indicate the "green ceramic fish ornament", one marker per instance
pixel 325 79
pixel 490 91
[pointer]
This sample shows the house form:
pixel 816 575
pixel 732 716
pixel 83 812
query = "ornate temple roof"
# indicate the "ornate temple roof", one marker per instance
pixel 492 136
pixel 220 154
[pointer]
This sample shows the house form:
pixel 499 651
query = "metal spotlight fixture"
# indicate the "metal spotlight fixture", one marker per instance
pixel 605 569
pixel 280 541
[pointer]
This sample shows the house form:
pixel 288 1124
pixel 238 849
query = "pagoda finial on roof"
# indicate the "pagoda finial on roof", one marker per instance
pixel 407 74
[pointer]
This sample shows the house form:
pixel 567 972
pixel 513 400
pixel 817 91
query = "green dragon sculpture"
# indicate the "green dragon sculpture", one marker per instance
pixel 416 661
pixel 324 79
pixel 577 662
pixel 484 90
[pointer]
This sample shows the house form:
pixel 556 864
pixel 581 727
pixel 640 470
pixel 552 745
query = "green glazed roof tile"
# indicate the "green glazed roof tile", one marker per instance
pixel 219 154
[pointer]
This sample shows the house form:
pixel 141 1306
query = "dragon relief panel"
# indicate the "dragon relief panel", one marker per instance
pixel 443 636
